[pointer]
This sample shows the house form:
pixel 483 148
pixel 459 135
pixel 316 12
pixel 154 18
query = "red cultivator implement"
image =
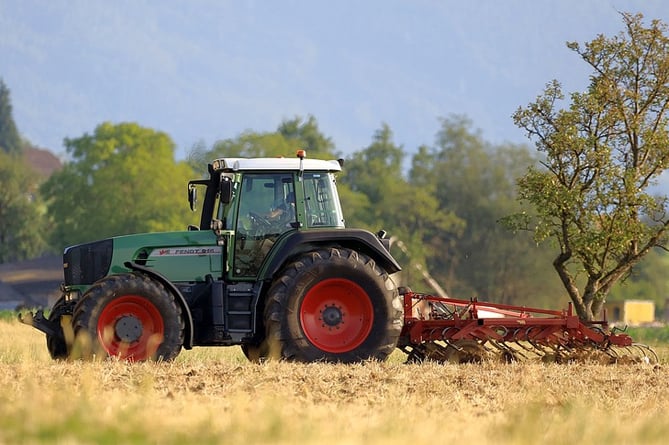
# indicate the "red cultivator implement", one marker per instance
pixel 450 330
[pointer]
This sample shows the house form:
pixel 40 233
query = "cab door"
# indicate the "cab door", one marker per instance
pixel 263 214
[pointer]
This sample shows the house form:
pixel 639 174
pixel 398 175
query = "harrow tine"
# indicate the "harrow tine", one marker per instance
pixel 463 351
pixel 566 353
pixel 593 352
pixel 648 355
pixel 445 331
pixel 508 353
pixel 625 354
pixel 533 349
pixel 524 348
pixel 549 353
pixel 611 353
pixel 475 351
pixel 543 349
pixel 635 353
pixel 492 348
pixel 458 353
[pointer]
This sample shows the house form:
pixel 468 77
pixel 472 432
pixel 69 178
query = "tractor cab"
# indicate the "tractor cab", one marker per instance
pixel 251 203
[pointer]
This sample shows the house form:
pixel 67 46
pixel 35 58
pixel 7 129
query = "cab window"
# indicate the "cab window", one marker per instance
pixel 321 201
pixel 266 209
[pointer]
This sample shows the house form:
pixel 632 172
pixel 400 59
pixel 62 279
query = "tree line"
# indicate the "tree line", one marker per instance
pixel 493 221
pixel 443 202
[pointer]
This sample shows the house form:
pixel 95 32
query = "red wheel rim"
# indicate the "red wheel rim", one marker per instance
pixel 336 315
pixel 131 328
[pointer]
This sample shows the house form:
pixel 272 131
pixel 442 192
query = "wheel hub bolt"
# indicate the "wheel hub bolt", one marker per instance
pixel 332 316
pixel 128 329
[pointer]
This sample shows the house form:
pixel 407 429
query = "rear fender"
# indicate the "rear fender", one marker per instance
pixel 298 242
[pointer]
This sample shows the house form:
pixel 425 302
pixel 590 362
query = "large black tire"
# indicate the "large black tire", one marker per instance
pixel 256 353
pixel 129 316
pixel 57 345
pixel 333 305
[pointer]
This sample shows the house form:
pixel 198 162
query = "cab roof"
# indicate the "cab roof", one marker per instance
pixel 279 164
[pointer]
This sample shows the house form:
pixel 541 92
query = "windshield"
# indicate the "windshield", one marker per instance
pixel 322 201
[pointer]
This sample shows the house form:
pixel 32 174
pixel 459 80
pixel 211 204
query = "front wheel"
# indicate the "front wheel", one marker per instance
pixel 130 316
pixel 61 315
pixel 333 305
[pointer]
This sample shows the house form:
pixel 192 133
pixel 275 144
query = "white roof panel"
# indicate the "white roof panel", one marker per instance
pixel 237 164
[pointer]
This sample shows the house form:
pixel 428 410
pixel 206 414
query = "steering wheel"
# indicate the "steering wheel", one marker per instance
pixel 259 221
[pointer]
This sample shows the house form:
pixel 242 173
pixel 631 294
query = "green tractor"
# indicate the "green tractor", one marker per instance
pixel 270 267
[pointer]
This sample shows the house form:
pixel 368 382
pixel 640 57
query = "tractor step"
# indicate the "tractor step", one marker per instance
pixel 239 316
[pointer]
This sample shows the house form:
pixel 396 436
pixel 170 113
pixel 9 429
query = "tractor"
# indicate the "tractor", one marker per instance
pixel 271 267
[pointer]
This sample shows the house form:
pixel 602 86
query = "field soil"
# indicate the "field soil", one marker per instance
pixel 215 396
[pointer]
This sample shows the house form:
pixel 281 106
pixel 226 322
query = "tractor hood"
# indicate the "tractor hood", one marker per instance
pixel 180 256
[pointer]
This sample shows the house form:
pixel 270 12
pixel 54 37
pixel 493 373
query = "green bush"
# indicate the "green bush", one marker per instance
pixel 649 334
pixel 8 315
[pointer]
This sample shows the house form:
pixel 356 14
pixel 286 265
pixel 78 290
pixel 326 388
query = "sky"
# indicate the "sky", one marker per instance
pixel 206 70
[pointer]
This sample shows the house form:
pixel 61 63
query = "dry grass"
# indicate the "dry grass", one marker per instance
pixel 215 396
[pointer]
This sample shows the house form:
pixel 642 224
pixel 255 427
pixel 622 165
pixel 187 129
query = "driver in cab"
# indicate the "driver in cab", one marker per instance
pixel 284 212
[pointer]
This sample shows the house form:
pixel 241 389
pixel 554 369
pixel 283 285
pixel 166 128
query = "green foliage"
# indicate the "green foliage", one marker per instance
pixel 475 181
pixel 410 213
pixel 290 136
pixel 306 135
pixel 602 153
pixel 646 281
pixel 649 335
pixel 251 144
pixel 7 315
pixel 445 210
pixel 376 172
pixel 22 219
pixel 10 142
pixel 122 179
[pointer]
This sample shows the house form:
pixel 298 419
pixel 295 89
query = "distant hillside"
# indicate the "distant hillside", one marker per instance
pixel 42 161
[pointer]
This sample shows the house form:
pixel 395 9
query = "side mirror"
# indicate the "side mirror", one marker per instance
pixel 225 190
pixel 192 197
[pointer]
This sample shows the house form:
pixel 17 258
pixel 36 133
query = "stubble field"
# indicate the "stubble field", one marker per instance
pixel 214 396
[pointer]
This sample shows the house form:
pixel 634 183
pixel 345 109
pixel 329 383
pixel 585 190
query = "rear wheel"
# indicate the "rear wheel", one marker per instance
pixel 130 316
pixel 332 305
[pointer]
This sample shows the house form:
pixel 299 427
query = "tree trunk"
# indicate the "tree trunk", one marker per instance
pixel 586 308
pixel 589 305
pixel 581 309
pixel 590 302
pixel 568 282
